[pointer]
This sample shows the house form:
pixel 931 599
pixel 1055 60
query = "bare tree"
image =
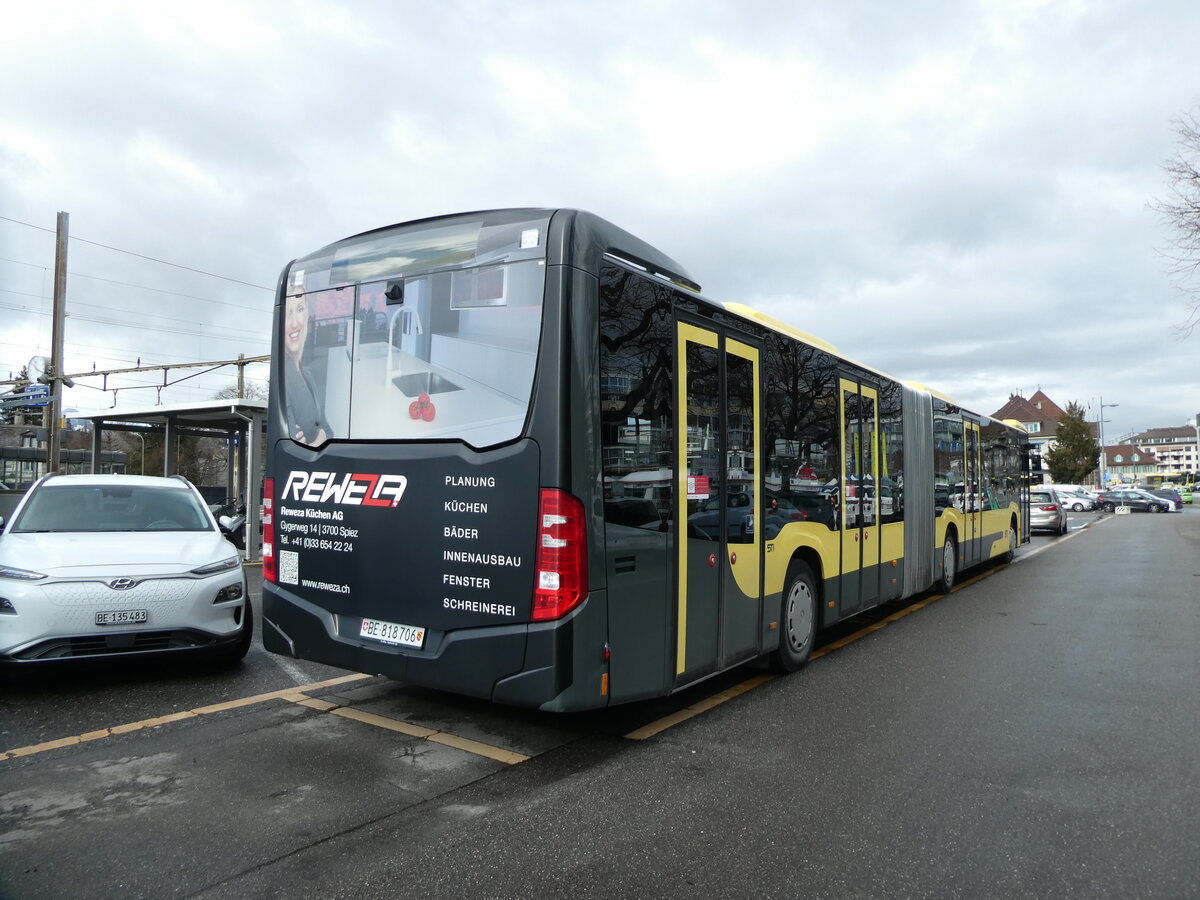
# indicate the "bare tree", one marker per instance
pixel 250 391
pixel 1180 211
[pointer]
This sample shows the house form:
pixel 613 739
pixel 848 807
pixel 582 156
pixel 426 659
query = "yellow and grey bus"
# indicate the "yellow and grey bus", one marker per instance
pixel 518 455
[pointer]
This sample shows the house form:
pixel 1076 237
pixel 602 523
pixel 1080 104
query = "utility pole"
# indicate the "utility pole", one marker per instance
pixel 54 409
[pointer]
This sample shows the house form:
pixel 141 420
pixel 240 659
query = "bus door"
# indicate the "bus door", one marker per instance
pixel 718 502
pixel 972 538
pixel 859 494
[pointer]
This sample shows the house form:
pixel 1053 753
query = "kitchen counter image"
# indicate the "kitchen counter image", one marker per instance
pixel 384 381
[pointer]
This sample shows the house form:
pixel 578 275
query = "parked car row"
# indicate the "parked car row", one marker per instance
pixel 1077 498
pixel 1049 503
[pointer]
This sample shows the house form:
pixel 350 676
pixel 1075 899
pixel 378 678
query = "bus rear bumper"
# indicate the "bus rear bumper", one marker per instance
pixel 518 665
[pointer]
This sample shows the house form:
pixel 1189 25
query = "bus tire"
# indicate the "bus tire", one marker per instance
pixel 949 565
pixel 1010 554
pixel 797 619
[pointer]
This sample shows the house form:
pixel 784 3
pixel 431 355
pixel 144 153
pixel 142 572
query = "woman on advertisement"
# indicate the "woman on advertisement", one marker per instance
pixel 306 418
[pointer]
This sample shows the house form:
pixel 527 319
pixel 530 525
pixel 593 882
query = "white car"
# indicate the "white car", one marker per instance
pixel 1076 502
pixel 118 565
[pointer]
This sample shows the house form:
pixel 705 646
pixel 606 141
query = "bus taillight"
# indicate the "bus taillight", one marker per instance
pixel 268 531
pixel 561 555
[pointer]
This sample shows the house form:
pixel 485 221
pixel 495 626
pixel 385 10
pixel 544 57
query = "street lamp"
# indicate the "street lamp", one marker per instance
pixel 1103 448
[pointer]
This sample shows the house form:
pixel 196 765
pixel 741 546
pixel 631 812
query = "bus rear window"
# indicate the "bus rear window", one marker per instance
pixel 415 354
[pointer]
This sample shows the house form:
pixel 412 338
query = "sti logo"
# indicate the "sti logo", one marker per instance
pixel 345 490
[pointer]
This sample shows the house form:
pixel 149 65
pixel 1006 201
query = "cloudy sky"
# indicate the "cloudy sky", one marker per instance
pixel 955 192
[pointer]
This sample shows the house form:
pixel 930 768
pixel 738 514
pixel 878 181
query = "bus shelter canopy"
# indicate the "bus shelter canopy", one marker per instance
pixel 240 422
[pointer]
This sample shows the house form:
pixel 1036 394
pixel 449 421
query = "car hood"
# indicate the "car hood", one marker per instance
pixel 76 554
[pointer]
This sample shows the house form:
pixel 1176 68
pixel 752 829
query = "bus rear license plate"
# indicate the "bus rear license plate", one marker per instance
pixel 392 633
pixel 123 617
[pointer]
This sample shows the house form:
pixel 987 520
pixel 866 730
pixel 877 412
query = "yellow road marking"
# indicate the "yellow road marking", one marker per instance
pixel 173 717
pixel 358 715
pixel 313 703
pixel 695 709
pixel 478 748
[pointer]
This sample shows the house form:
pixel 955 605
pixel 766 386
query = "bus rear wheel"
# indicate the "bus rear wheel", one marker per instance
pixel 949 565
pixel 1011 553
pixel 797 619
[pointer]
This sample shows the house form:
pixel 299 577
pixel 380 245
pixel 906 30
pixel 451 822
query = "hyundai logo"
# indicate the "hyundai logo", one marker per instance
pixel 122 584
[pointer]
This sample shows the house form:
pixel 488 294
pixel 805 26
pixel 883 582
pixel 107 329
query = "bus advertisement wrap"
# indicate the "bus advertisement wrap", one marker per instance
pixel 446 537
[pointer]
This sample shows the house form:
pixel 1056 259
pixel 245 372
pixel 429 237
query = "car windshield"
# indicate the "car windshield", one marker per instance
pixel 1040 497
pixel 95 507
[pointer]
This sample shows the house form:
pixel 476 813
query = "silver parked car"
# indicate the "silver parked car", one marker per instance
pixel 118 565
pixel 1046 512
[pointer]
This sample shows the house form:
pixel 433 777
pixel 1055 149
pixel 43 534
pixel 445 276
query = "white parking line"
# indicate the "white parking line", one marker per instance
pixel 1066 537
pixel 293 671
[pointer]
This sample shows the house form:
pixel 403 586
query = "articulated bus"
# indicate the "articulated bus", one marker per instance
pixel 518 455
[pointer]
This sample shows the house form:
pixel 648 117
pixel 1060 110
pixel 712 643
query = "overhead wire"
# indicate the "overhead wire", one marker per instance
pixel 140 287
pixel 204 331
pixel 140 255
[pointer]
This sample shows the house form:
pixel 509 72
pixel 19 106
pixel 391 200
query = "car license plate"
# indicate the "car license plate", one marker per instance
pixel 123 617
pixel 392 633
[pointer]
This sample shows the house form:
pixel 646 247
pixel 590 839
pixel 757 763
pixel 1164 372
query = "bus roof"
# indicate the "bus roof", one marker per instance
pixel 563 244
pixel 771 322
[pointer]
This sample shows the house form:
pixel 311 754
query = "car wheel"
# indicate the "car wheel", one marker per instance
pixel 949 565
pixel 1110 507
pixel 797 619
pixel 1065 527
pixel 1154 507
pixel 237 652
pixel 1078 507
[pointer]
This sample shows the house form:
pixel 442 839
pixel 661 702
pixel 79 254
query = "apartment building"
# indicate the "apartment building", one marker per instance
pixel 1174 449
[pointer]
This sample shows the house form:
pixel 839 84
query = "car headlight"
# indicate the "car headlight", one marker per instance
pixel 222 566
pixel 22 574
